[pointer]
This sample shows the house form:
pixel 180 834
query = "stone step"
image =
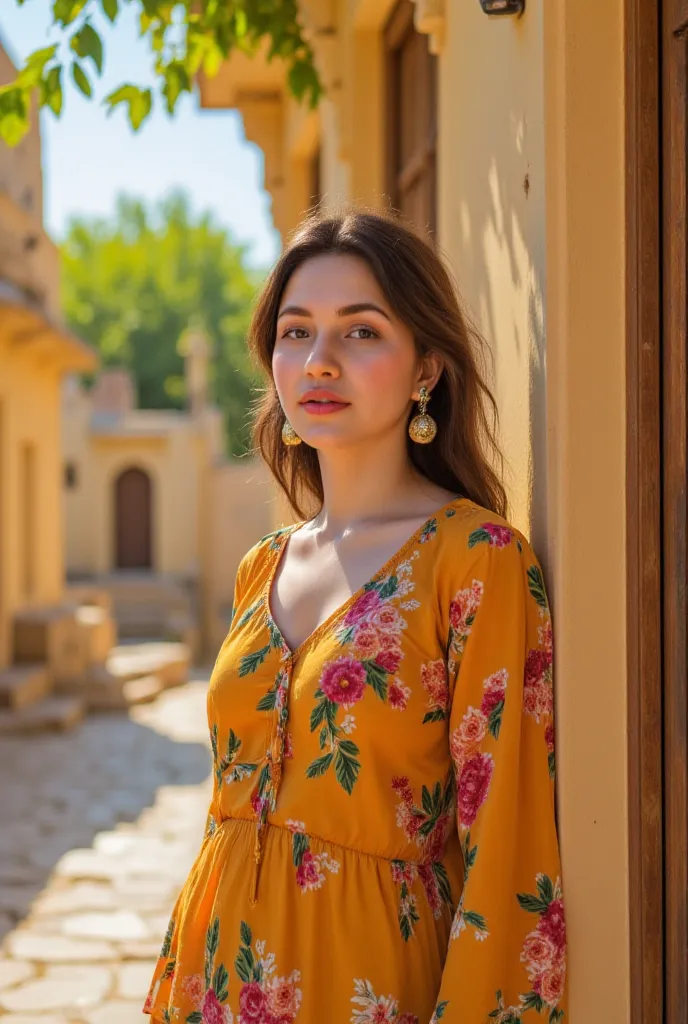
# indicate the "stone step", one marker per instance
pixel 21 685
pixel 168 661
pixel 108 692
pixel 57 713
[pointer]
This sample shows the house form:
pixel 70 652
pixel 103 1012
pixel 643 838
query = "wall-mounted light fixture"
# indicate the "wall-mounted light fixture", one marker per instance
pixel 497 7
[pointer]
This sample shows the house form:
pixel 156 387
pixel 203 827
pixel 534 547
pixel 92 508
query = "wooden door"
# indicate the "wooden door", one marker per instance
pixel 657 427
pixel 411 120
pixel 133 520
pixel 674 43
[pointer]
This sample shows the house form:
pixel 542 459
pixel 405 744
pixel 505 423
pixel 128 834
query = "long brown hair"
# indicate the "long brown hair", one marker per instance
pixel 419 289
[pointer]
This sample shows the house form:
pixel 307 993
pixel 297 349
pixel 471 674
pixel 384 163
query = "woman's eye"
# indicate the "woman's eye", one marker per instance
pixel 363 333
pixel 289 333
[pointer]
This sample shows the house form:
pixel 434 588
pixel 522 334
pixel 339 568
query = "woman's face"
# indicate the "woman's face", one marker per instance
pixel 335 330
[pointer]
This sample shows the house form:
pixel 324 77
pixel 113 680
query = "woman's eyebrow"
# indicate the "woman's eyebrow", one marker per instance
pixel 356 307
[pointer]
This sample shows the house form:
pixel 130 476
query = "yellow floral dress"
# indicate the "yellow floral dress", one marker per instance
pixel 381 844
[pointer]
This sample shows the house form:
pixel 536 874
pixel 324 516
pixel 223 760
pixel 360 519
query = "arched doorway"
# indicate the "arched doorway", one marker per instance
pixel 133 520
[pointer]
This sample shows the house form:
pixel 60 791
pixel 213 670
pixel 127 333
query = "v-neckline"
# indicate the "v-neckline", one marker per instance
pixel 284 536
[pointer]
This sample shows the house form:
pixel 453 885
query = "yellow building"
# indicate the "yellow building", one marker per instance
pixel 155 515
pixel 530 147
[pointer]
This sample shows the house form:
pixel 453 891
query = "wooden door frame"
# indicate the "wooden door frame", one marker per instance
pixel 644 536
pixel 656 679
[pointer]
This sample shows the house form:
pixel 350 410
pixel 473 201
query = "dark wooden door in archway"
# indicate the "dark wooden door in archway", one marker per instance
pixel 133 520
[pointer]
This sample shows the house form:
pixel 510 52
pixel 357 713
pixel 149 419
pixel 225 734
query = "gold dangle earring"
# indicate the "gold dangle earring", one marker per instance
pixel 422 428
pixel 289 435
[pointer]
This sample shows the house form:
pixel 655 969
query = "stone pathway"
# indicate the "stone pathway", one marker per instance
pixel 99 830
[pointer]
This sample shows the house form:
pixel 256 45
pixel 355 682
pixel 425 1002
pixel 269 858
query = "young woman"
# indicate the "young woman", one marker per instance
pixel 381 845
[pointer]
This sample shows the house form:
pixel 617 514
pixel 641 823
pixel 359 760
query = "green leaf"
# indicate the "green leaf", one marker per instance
pixel 87 43
pixel 426 800
pixel 475 920
pixel 66 11
pixel 323 737
pixel 139 102
pixel 319 766
pixel 438 715
pixel 110 8
pixel 545 889
pixel 531 903
pixel 376 676
pixel 267 703
pixel 220 980
pixel 245 934
pixel 349 748
pixel 318 714
pixel 241 966
pixel 176 81
pixel 249 662
pixel 442 879
pixel 346 769
pixel 80 78
pixel 536 585
pixel 34 67
pixel 51 90
pixel 196 1017
pixel 14 114
pixel 299 847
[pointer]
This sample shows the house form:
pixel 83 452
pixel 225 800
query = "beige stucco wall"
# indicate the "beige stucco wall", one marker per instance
pixel 31 559
pixel 584 537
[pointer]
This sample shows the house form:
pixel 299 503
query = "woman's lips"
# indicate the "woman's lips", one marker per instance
pixel 324 408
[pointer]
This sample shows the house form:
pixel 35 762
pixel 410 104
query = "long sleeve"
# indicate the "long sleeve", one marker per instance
pixel 506 959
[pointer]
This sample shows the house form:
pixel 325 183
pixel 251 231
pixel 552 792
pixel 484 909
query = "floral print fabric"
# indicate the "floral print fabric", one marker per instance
pixel 381 844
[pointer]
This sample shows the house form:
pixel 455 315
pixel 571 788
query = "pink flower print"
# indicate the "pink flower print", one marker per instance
pixel 288 746
pixel 283 999
pixel 553 924
pixel 538 954
pixel 459 751
pixel 214 1012
pixel 389 641
pixel 308 875
pixel 473 727
pixel 549 737
pixel 407 1018
pixel 387 619
pixel 490 701
pixel 366 642
pixel 343 681
pixel 402 787
pixel 403 871
pixel 545 635
pixel 362 607
pixel 429 883
pixel 551 985
pixel 258 803
pixel 398 695
pixel 389 659
pixel 194 987
pixel 473 785
pixel 537 663
pixel 433 676
pixel 500 536
pixel 462 608
pixel 437 840
pixel 251 1003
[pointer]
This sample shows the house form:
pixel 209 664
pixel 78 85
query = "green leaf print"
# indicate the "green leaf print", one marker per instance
pixel 167 941
pixel 552 764
pixel 248 614
pixel 251 662
pixel 299 847
pixel 267 703
pixel 532 1001
pixel 442 879
pixel 245 934
pixel 438 715
pixel 319 711
pixel 221 982
pixel 346 765
pixel 495 720
pixel 440 1008
pixel 546 889
pixel 211 943
pixel 376 677
pixel 388 588
pixel 531 903
pixel 323 737
pixel 319 766
pixel 479 536
pixel 243 964
pixel 475 920
pixel 194 1018
pixel 536 586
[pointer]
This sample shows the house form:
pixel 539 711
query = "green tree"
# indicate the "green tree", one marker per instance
pixel 133 284
pixel 185 37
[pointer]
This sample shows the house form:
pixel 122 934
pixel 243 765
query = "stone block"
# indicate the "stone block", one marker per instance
pixel 23 684
pixel 100 632
pixel 51 635
pixel 57 713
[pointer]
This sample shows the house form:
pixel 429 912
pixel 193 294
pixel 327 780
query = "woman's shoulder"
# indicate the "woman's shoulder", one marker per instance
pixel 259 554
pixel 477 536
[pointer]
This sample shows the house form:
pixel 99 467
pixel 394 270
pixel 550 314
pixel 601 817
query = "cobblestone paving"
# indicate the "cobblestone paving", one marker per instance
pixel 99 830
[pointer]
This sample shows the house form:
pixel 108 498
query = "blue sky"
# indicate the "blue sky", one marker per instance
pixel 88 157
